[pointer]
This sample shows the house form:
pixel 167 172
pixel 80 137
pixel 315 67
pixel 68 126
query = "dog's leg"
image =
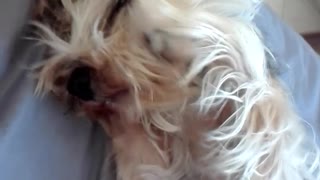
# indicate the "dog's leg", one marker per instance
pixel 133 149
pixel 270 144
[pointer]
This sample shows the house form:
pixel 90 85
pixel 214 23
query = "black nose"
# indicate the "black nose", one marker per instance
pixel 79 83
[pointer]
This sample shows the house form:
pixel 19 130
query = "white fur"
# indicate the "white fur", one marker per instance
pixel 263 138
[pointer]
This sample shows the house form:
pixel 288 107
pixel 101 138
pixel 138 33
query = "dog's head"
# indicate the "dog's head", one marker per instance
pixel 108 64
pixel 127 58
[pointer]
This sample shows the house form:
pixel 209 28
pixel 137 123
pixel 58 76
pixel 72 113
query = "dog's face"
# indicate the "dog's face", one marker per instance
pixel 113 67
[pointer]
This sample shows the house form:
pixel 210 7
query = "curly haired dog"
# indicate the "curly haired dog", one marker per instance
pixel 181 87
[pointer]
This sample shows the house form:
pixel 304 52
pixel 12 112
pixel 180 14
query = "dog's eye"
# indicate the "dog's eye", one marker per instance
pixel 116 7
pixel 157 45
pixel 170 47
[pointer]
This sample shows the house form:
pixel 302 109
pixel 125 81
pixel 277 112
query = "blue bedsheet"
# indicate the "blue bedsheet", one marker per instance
pixel 39 142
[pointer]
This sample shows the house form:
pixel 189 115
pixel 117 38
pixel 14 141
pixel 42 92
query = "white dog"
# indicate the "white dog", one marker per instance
pixel 181 86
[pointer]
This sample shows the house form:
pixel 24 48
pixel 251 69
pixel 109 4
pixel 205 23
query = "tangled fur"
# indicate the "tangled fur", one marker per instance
pixel 197 101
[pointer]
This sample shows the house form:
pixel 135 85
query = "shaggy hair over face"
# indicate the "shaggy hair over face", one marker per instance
pixel 181 87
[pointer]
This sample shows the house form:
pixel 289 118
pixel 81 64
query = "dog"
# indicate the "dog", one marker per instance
pixel 181 87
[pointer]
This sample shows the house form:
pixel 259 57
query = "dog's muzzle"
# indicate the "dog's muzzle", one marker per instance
pixel 80 85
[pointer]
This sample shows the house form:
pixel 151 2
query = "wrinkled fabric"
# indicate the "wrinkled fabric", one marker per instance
pixel 38 141
pixel 299 67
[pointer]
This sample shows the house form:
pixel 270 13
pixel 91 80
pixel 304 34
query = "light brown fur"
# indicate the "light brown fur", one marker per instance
pixel 196 101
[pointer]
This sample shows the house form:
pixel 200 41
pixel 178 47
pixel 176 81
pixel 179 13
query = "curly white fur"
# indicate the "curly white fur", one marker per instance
pixel 263 138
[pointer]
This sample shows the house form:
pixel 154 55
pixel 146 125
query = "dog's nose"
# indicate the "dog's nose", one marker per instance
pixel 79 83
